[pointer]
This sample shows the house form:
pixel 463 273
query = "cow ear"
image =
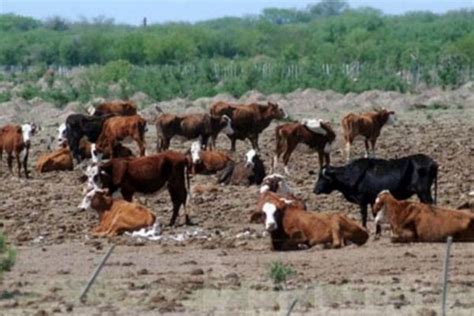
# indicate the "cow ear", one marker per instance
pixel 119 171
pixel 256 217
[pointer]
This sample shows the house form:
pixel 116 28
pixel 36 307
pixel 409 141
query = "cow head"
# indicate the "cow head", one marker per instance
pixel 91 110
pixel 226 124
pixel 326 181
pixel 88 200
pixel 96 154
pixel 61 138
pixel 28 130
pixel 275 183
pixel 251 158
pixel 387 117
pixel 274 111
pixel 195 151
pixel 378 209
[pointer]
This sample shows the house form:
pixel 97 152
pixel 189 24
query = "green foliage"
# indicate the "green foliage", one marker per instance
pixel 7 256
pixel 5 96
pixel 29 91
pixel 279 273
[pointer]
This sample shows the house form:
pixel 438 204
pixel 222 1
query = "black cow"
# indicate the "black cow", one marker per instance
pixel 248 172
pixel 80 125
pixel 361 180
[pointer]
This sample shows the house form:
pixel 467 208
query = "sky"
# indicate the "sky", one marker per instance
pixel 159 11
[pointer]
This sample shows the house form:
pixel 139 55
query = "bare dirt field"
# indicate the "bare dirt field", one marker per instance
pixel 221 266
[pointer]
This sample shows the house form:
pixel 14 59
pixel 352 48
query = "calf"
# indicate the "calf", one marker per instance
pixel 119 128
pixel 208 162
pixel 199 125
pixel 367 125
pixel 16 141
pixel 248 121
pixel 123 108
pixel 290 227
pixel 361 180
pixel 248 172
pixel 418 222
pixel 315 133
pixel 116 216
pixel 147 175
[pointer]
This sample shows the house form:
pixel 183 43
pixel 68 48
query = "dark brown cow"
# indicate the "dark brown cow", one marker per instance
pixel 316 134
pixel 124 108
pixel 147 175
pixel 119 128
pixel 207 162
pixel 367 125
pixel 16 140
pixel 191 126
pixel 248 172
pixel 248 121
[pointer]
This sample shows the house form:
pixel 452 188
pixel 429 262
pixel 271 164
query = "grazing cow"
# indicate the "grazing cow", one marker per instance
pixel 191 126
pixel 124 108
pixel 147 175
pixel 361 180
pixel 207 162
pixel 79 126
pixel 116 216
pixel 315 133
pixel 367 125
pixel 417 222
pixel 291 227
pixel 119 128
pixel 16 141
pixel 248 121
pixel 60 159
pixel 248 172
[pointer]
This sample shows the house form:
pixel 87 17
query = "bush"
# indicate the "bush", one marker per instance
pixel 279 273
pixel 7 256
pixel 5 96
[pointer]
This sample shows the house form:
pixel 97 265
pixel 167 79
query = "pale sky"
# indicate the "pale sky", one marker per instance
pixel 158 11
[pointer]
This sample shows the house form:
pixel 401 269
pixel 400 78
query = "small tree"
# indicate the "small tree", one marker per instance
pixel 7 256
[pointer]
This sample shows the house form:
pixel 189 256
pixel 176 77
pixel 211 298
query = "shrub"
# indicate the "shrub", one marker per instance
pixel 5 96
pixel 7 256
pixel 279 273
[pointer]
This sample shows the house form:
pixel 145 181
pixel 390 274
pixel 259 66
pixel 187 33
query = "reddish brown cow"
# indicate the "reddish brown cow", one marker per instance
pixel 291 227
pixel 16 140
pixel 119 128
pixel 147 175
pixel 418 222
pixel 60 159
pixel 116 216
pixel 367 125
pixel 315 133
pixel 191 126
pixel 207 162
pixel 124 108
pixel 248 121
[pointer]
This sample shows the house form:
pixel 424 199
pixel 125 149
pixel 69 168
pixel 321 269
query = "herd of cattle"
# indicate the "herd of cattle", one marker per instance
pixel 379 183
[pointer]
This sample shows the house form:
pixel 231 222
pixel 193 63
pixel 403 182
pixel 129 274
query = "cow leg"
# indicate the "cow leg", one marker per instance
pixel 10 162
pixel 348 150
pixel 141 146
pixel 254 141
pixel 425 197
pixel 372 143
pixel 337 239
pixel 226 173
pixel 290 147
pixel 363 212
pixel 327 158
pixel 233 140
pixel 367 150
pixel 25 162
pixel 178 196
pixel 18 162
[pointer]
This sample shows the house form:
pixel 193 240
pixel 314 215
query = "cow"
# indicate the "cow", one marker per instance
pixel 361 180
pixel 116 216
pixel 16 141
pixel 60 159
pixel 119 128
pixel 207 162
pixel 191 126
pixel 412 221
pixel 278 184
pixel 147 175
pixel 79 126
pixel 248 172
pixel 248 121
pixel 123 108
pixel 317 134
pixel 291 227
pixel 368 125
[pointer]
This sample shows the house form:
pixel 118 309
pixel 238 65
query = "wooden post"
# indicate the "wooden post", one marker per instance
pixel 291 307
pixel 445 275
pixel 95 274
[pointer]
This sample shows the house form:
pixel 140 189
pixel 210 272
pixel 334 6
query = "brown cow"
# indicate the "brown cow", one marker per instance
pixel 116 216
pixel 190 126
pixel 418 222
pixel 60 159
pixel 291 227
pixel 315 133
pixel 119 128
pixel 16 140
pixel 207 162
pixel 124 108
pixel 248 121
pixel 147 175
pixel 367 125
pixel 248 172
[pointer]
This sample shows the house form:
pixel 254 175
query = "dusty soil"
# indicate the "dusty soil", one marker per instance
pixel 221 266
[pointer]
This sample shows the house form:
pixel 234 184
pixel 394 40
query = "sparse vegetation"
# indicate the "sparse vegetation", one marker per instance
pixel 7 256
pixel 279 273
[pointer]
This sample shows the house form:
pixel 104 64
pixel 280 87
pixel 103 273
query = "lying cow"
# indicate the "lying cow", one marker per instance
pixel 418 222
pixel 119 128
pixel 248 121
pixel 367 125
pixel 123 108
pixel 291 227
pixel 361 180
pixel 317 134
pixel 16 141
pixel 200 126
pixel 248 172
pixel 116 216
pixel 208 162
pixel 147 175
pixel 60 159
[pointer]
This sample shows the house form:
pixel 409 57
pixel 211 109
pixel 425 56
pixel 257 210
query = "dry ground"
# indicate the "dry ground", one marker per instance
pixel 221 267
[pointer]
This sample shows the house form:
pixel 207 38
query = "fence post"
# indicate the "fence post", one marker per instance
pixel 445 275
